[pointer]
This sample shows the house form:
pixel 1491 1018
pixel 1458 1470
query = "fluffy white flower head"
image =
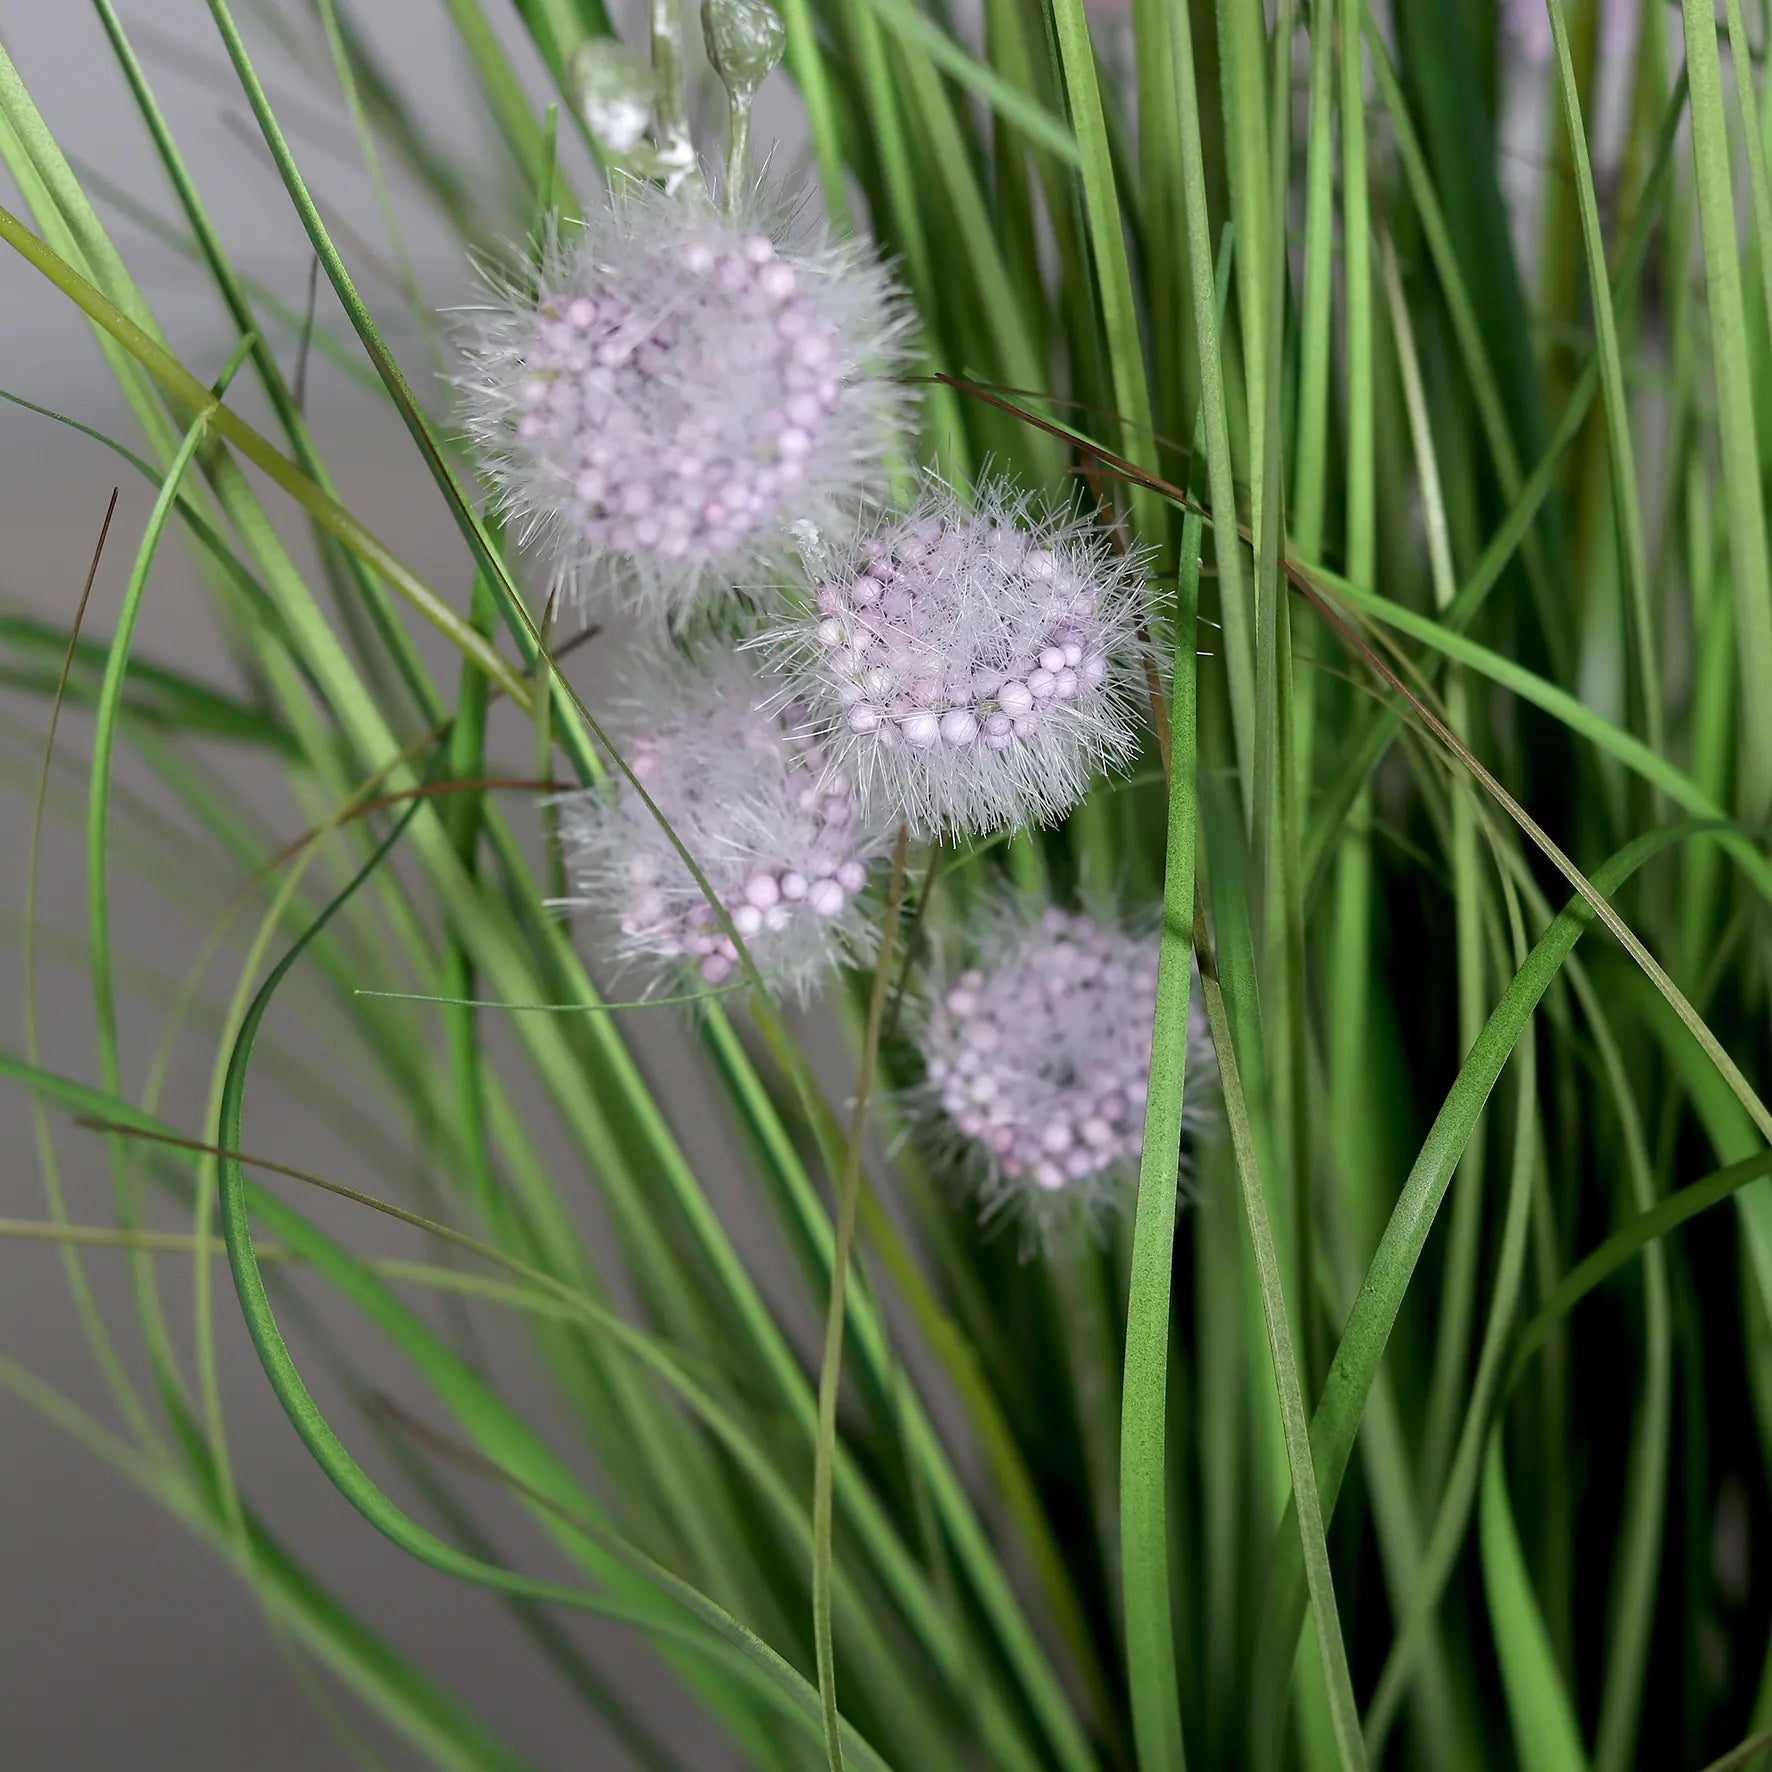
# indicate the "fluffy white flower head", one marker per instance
pixel 972 668
pixel 670 389
pixel 1038 1060
pixel 777 833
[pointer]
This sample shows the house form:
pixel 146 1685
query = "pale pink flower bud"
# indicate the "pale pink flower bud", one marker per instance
pixel 1038 1062
pixel 755 801
pixel 936 660
pixel 726 378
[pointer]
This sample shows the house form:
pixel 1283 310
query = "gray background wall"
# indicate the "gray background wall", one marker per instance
pixel 123 1642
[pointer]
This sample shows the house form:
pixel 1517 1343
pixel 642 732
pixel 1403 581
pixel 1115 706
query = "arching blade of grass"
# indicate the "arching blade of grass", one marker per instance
pixel 1575 714
pixel 1732 1134
pixel 1374 1314
pixel 1666 1216
pixel 601 1549
pixel 110 701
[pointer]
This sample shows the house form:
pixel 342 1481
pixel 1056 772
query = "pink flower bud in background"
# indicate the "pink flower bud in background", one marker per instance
pixel 754 800
pixel 1037 1057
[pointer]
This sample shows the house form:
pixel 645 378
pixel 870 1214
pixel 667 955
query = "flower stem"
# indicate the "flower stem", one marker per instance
pixel 832 1368
pixel 670 105
pixel 738 147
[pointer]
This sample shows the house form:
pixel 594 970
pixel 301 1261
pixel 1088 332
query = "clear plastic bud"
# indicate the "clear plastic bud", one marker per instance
pixel 745 40
pixel 615 92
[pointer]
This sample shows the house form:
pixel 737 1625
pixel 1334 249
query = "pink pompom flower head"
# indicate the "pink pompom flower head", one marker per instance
pixel 972 668
pixel 1037 1064
pixel 778 835
pixel 665 391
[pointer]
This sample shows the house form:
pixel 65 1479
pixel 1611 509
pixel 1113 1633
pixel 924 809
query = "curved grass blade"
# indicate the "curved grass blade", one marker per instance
pixel 326 511
pixel 98 1336
pixel 1375 1309
pixel 1580 719
pixel 831 1367
pixel 707 1628
pixel 110 699
pixel 1629 1241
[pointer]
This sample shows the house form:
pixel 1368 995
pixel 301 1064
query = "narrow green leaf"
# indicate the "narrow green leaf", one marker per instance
pixel 1546 1735
pixel 1731 369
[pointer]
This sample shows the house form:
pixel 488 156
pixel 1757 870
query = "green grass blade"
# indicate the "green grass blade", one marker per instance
pixel 1010 103
pixel 1367 1331
pixel 191 394
pixel 1234 609
pixel 1731 369
pixel 1144 1480
pixel 1308 1537
pixel 1666 1216
pixel 1580 719
pixel 1633 555
pixel 1546 1735
pixel 108 711
pixel 831 1367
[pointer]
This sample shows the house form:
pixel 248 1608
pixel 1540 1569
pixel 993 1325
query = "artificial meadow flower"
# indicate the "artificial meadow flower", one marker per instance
pixel 778 834
pixel 670 389
pixel 972 668
pixel 1038 1058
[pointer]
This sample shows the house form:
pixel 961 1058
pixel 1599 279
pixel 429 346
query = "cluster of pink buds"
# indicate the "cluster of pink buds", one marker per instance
pixel 1038 1056
pixel 778 836
pixel 671 391
pixel 974 668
